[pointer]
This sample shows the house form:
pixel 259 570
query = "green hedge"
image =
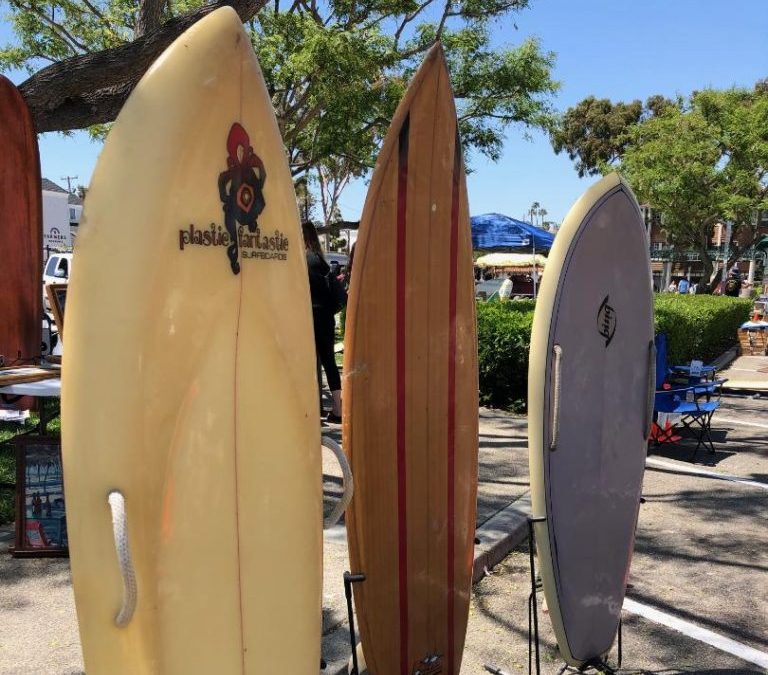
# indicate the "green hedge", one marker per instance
pixel 504 337
pixel 697 326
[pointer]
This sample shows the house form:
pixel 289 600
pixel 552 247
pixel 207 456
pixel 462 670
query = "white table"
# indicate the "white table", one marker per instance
pixel 50 388
pixel 42 388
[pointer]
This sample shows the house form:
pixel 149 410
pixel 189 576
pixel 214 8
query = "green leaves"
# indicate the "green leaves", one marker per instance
pixel 503 342
pixel 335 70
pixel 592 133
pixel 703 162
pixel 695 161
pixel 698 326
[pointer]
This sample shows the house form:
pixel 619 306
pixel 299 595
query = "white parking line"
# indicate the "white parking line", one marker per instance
pixel 734 420
pixel 691 471
pixel 709 637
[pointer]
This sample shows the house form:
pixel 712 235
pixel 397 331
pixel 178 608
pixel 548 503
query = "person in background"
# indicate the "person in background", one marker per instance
pixel 348 271
pixel 683 286
pixel 733 285
pixel 505 291
pixel 672 288
pixel 323 317
pixel 694 287
pixel 335 268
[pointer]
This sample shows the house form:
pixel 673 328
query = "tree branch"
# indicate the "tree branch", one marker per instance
pixel 90 89
pixel 96 11
pixel 408 18
pixel 63 34
pixel 302 123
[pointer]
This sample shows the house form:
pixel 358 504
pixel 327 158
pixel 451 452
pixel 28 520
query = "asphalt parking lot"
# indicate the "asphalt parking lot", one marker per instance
pixel 698 596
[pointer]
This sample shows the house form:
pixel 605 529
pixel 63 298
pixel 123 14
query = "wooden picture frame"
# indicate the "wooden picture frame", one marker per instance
pixel 57 298
pixel 41 523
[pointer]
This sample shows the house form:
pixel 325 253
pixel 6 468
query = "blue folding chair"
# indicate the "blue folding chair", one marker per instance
pixel 706 373
pixel 695 403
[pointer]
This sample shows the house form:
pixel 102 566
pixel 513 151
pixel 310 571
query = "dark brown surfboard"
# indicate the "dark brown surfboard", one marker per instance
pixel 410 391
pixel 21 247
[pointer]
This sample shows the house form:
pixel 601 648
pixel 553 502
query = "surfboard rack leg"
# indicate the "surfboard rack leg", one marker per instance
pixel 350 579
pixel 533 607
pixel 597 664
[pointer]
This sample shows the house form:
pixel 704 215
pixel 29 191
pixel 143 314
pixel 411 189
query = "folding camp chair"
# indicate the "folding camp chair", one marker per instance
pixel 695 405
pixel 693 373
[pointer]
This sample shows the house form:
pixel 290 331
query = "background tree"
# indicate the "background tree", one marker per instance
pixel 701 164
pixel 593 132
pixel 97 50
pixel 335 70
pixel 533 211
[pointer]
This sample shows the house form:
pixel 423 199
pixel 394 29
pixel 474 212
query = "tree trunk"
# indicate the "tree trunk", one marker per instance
pixel 707 273
pixel 91 89
pixel 150 13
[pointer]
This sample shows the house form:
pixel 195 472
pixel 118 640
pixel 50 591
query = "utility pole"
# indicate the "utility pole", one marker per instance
pixel 69 180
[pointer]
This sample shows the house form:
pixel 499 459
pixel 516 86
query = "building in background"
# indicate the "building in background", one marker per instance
pixel 668 262
pixel 61 216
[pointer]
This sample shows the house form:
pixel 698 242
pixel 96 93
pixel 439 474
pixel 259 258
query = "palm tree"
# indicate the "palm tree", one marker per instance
pixel 534 210
pixel 542 213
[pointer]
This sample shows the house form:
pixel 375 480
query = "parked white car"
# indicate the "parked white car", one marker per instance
pixel 58 268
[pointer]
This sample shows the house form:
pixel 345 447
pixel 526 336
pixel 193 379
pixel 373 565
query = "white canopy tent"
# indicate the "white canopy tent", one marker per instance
pixel 519 260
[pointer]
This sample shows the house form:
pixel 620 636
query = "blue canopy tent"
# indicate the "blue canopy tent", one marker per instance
pixel 497 232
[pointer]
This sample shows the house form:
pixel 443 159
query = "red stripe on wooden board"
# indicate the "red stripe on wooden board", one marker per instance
pixel 452 286
pixel 402 193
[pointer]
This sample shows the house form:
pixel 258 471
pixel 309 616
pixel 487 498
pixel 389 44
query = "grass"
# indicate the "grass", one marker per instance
pixel 8 459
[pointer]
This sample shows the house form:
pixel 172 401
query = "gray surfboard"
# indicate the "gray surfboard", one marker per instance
pixel 590 401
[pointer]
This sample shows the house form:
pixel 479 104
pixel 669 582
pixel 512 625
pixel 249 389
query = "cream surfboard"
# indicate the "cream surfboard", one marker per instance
pixel 590 399
pixel 189 392
pixel 410 391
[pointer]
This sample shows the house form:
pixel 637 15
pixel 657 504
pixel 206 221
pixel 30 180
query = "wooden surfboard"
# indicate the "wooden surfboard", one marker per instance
pixel 21 231
pixel 410 418
pixel 590 401
pixel 189 384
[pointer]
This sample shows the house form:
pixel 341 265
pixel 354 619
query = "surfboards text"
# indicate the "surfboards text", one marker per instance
pixel 254 244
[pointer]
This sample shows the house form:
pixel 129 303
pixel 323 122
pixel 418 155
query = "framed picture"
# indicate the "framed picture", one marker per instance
pixel 41 522
pixel 57 299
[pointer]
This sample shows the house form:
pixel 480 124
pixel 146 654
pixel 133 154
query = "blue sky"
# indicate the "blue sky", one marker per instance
pixel 617 49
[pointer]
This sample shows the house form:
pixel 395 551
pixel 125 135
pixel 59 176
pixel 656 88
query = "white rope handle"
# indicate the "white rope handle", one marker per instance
pixel 123 550
pixel 342 504
pixel 557 367
pixel 651 393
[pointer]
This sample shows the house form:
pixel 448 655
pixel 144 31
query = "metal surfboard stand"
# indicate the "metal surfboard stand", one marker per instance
pixel 350 579
pixel 533 607
pixel 533 621
pixel 597 663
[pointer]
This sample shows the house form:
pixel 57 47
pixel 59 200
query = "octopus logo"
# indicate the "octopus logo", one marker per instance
pixel 240 190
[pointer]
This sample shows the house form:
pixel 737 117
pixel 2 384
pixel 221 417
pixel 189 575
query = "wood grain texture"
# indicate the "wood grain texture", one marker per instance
pixel 20 230
pixel 410 391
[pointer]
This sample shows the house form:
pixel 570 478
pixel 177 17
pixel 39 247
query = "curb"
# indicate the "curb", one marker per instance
pixel 498 535
pixel 494 539
pixel 726 358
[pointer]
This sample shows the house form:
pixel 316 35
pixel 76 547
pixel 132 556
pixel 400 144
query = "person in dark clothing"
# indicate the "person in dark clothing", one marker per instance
pixel 323 317
pixel 733 285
